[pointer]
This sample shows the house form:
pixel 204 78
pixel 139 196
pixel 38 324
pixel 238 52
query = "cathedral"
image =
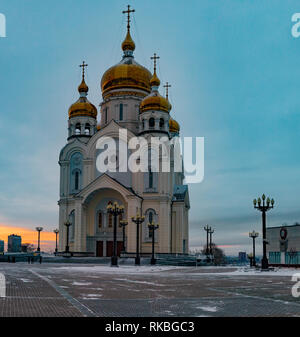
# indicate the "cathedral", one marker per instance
pixel 130 101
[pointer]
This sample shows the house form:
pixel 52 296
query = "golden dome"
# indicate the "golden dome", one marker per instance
pixel 174 126
pixel 83 107
pixel 155 81
pixel 99 127
pixel 83 87
pixel 155 102
pixel 128 43
pixel 128 74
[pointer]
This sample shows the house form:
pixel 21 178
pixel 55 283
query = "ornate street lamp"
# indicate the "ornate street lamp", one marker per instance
pixel 210 241
pixel 68 224
pixel 153 227
pixel 253 235
pixel 138 220
pixel 264 207
pixel 56 231
pixel 115 209
pixel 207 229
pixel 39 229
pixel 123 225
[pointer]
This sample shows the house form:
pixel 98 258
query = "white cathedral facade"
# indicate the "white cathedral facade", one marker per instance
pixel 131 101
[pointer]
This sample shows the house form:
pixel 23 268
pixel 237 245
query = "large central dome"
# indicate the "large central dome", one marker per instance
pixel 127 74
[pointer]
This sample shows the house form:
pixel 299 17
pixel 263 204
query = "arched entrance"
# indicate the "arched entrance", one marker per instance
pixel 100 224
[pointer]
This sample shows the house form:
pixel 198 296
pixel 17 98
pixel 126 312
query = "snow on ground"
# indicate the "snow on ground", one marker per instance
pixel 140 282
pixel 247 271
pixel 81 283
pixel 118 270
pixel 209 309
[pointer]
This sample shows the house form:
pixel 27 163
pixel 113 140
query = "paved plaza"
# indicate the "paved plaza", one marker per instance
pixel 73 290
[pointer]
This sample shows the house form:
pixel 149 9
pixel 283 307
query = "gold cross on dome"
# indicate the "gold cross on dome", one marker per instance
pixel 83 65
pixel 167 86
pixel 155 58
pixel 128 12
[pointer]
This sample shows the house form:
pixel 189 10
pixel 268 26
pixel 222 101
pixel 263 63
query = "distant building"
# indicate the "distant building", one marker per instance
pixel 242 256
pixel 14 244
pixel 284 244
pixel 1 246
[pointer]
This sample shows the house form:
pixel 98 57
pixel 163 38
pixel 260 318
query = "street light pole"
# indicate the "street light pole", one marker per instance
pixel 138 220
pixel 68 224
pixel 153 227
pixel 207 229
pixel 56 231
pixel 253 235
pixel 123 225
pixel 39 229
pixel 210 240
pixel 115 210
pixel 264 207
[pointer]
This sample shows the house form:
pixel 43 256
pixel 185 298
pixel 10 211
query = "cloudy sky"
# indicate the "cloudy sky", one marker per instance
pixel 234 68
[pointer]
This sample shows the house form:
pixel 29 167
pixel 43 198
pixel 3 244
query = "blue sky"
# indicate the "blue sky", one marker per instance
pixel 234 68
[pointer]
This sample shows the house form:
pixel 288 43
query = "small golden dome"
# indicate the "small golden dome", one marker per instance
pixel 155 81
pixel 174 126
pixel 155 102
pixel 83 108
pixel 98 127
pixel 83 87
pixel 128 43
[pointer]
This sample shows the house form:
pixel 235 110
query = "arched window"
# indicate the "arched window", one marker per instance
pixel 161 123
pixel 87 130
pixel 151 122
pixel 76 169
pixel 143 124
pixel 77 129
pixel 121 112
pixel 150 221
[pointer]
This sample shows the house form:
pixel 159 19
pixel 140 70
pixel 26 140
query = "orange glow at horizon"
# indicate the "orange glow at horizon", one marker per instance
pixel 28 235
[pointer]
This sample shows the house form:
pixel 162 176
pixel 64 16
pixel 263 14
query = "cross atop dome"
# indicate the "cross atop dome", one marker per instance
pixel 167 86
pixel 155 58
pixel 83 65
pixel 128 12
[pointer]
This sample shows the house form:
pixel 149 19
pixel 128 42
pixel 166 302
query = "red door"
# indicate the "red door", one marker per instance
pixel 99 252
pixel 110 248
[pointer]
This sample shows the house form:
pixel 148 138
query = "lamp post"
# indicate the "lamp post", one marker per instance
pixel 68 224
pixel 56 231
pixel 210 240
pixel 253 235
pixel 207 229
pixel 123 225
pixel 115 210
pixel 153 227
pixel 39 229
pixel 138 220
pixel 264 207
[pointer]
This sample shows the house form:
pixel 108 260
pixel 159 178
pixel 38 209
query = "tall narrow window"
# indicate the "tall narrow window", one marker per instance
pixel 150 178
pixel 150 221
pixel 161 123
pixel 110 218
pixel 121 112
pixel 78 129
pixel 76 180
pixel 151 122
pixel 105 111
pixel 100 220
